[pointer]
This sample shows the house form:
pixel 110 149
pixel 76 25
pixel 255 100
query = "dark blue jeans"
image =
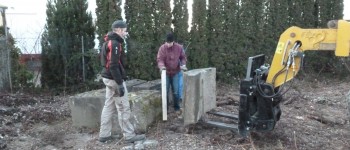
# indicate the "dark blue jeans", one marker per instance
pixel 175 84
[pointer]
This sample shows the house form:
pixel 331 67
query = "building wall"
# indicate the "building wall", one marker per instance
pixel 33 65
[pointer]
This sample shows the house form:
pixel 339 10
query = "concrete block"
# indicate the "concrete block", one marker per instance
pixel 146 106
pixel 134 82
pixel 150 85
pixel 209 89
pixel 86 109
pixel 199 93
pixel 193 97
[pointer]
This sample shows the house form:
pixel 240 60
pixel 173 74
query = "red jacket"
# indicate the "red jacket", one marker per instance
pixel 171 58
pixel 113 58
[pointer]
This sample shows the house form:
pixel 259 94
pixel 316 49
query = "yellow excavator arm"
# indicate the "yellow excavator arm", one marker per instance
pixel 294 41
pixel 261 92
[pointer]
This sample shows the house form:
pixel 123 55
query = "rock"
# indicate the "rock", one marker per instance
pixel 146 106
pixel 150 85
pixel 128 147
pixel 150 144
pixel 132 83
pixel 2 144
pixel 139 145
pixel 7 110
pixel 86 109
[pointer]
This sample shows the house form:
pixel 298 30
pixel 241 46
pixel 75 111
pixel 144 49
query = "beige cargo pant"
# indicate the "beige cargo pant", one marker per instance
pixel 112 103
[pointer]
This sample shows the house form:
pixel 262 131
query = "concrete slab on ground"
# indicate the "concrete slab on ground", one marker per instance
pixel 86 108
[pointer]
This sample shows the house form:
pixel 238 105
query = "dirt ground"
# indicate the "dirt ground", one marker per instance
pixel 314 116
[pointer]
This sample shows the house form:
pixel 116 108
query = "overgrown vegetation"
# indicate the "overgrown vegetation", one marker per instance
pixel 67 40
pixel 21 77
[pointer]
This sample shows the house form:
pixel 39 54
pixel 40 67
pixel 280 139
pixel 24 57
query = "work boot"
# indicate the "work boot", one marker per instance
pixel 179 113
pixel 105 139
pixel 109 138
pixel 140 137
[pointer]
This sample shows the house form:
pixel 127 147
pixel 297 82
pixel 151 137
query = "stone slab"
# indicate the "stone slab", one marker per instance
pixel 86 109
pixel 146 106
pixel 209 89
pixel 199 93
pixel 130 84
pixel 149 85
pixel 193 97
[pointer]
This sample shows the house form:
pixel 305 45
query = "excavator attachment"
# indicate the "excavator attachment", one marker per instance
pixel 259 102
pixel 262 89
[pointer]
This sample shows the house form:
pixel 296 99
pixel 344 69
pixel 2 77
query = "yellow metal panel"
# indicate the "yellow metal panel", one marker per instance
pixel 343 39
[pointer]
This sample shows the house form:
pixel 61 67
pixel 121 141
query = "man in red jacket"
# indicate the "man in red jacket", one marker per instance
pixel 169 55
pixel 113 73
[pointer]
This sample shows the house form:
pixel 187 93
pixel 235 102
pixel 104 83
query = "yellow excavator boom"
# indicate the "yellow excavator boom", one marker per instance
pixel 287 59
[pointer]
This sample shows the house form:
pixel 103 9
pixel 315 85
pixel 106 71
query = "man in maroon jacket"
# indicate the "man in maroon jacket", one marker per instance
pixel 171 57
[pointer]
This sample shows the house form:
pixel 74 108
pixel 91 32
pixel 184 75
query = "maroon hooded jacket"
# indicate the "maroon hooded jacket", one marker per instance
pixel 171 58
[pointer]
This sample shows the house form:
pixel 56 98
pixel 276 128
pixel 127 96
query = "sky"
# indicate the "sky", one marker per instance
pixel 26 20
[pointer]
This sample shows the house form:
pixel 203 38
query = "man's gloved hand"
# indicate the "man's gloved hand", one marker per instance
pixel 121 90
pixel 183 68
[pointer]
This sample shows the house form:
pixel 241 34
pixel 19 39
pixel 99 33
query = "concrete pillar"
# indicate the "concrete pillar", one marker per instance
pixel 199 93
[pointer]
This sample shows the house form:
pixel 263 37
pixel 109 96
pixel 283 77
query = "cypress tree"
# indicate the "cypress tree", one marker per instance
pixel 162 25
pixel 107 12
pixel 251 25
pixel 162 20
pixel 276 22
pixel 198 52
pixel 245 34
pixel 327 61
pixel 233 41
pixel 216 36
pixel 67 23
pixel 329 10
pixel 295 12
pixel 140 43
pixel 180 22
pixel 308 17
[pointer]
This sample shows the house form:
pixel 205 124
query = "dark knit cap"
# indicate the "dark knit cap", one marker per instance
pixel 170 37
pixel 119 24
